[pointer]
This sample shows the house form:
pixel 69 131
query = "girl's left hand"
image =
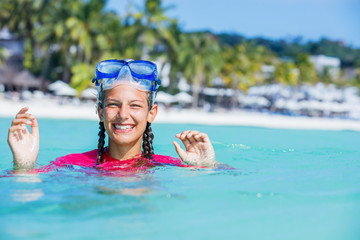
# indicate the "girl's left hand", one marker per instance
pixel 199 150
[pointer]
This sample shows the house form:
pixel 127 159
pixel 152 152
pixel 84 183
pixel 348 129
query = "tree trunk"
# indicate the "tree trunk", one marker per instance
pixel 45 69
pixel 234 99
pixel 173 81
pixel 66 73
pixel 195 94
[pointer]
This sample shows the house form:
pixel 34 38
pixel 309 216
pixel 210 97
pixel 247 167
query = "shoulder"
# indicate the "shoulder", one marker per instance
pixel 86 159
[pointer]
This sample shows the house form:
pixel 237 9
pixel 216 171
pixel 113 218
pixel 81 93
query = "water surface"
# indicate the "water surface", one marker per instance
pixel 287 184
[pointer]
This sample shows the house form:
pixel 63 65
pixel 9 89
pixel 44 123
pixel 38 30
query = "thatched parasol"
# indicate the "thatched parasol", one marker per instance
pixel 7 74
pixel 26 80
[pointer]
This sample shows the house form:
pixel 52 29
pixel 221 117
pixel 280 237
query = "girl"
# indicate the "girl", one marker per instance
pixel 126 109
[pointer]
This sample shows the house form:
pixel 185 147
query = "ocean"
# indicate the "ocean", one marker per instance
pixel 285 184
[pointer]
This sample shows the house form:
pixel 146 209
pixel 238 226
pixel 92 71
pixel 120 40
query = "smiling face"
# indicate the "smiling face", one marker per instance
pixel 125 112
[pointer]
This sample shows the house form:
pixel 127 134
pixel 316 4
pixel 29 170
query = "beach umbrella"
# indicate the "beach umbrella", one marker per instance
pixel 26 95
pixel 312 105
pixel 229 92
pixel 162 97
pixel 262 102
pixel 38 94
pixel 292 105
pixel 241 98
pixel 57 85
pixel 183 97
pixel 255 90
pixel 7 74
pixel 211 91
pixel 26 80
pixel 89 93
pixel 254 101
pixel 66 91
pixel 61 88
pixel 280 103
pixel 338 107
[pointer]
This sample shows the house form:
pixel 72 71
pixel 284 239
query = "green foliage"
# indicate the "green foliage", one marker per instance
pixel 4 54
pixel 65 39
pixel 356 80
pixel 82 74
pixel 349 56
pixel 307 72
pixel 199 59
pixel 286 73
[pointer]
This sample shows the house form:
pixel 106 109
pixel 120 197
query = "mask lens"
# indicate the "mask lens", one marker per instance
pixel 142 74
pixel 142 68
pixel 110 67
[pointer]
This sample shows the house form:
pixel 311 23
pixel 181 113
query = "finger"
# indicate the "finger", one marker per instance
pixel 180 151
pixel 23 116
pixel 20 121
pixel 15 132
pixel 13 129
pixel 24 132
pixel 23 110
pixel 190 136
pixel 34 127
pixel 198 138
pixel 186 142
pixel 192 132
pixel 182 137
pixel 203 137
pixel 183 134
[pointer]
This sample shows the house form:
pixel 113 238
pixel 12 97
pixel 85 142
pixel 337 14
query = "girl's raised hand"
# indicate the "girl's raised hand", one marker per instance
pixel 199 150
pixel 23 144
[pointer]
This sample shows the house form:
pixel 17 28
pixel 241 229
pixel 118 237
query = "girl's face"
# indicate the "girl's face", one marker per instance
pixel 125 113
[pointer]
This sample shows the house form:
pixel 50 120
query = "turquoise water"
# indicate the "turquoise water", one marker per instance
pixel 287 184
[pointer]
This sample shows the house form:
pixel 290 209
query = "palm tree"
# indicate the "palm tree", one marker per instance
pixel 21 18
pixel 242 68
pixel 151 26
pixel 54 35
pixel 86 25
pixel 286 73
pixel 172 40
pixel 200 60
pixel 78 30
pixel 307 70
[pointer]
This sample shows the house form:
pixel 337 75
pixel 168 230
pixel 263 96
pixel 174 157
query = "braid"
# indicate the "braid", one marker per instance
pixel 101 142
pixel 147 145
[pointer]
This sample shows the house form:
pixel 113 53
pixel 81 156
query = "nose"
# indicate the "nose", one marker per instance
pixel 123 112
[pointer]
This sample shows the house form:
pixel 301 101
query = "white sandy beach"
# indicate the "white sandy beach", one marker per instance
pixel 52 109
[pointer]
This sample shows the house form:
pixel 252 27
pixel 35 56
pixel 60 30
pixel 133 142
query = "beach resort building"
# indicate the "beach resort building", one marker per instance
pixel 324 63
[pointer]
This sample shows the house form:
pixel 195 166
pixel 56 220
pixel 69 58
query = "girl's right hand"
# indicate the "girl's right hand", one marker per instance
pixel 23 144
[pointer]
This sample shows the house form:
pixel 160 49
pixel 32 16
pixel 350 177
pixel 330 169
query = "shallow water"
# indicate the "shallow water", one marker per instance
pixel 287 184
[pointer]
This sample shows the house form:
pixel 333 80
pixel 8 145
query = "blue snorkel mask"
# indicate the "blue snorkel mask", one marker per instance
pixel 140 74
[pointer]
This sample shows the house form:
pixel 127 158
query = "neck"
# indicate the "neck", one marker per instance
pixel 121 152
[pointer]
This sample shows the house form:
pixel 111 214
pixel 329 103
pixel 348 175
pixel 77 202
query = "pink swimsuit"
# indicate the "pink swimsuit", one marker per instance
pixel 88 159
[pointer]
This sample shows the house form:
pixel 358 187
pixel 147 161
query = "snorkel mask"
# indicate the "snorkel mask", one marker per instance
pixel 140 74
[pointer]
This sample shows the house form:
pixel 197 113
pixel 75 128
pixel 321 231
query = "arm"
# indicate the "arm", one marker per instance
pixel 199 150
pixel 23 144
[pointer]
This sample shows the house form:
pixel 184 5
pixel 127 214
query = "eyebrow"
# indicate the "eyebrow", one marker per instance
pixel 131 101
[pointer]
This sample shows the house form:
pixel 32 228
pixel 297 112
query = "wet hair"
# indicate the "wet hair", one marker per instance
pixel 147 145
pixel 148 135
pixel 101 143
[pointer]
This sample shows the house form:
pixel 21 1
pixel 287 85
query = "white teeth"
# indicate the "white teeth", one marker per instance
pixel 123 127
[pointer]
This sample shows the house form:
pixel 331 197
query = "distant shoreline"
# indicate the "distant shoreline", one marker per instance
pixel 50 108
